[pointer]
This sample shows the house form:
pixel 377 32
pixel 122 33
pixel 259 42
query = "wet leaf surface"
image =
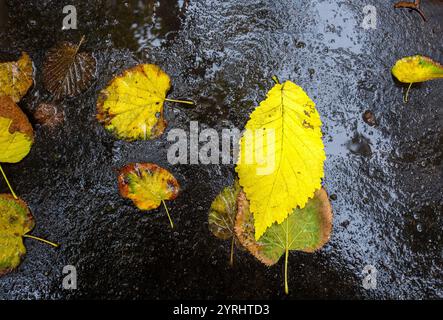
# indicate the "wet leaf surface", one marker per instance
pixel 306 229
pixel 222 214
pixel 15 221
pixel 223 211
pixel 132 104
pixel 287 129
pixel 16 77
pixel 67 71
pixel 147 185
pixel 16 133
pixel 417 69
pixel 49 115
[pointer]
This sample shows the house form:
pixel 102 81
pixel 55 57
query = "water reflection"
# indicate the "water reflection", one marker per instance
pixel 138 24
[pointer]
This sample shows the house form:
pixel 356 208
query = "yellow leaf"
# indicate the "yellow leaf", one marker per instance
pixel 16 77
pixel 16 133
pixel 148 185
pixel 132 105
pixel 417 69
pixel 15 221
pixel 281 155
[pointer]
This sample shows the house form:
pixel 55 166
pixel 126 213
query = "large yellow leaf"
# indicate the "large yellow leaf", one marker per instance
pixel 132 105
pixel 16 77
pixel 16 133
pixel 417 69
pixel 288 143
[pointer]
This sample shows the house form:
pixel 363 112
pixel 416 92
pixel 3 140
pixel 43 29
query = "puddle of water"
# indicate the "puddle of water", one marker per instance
pixel 337 26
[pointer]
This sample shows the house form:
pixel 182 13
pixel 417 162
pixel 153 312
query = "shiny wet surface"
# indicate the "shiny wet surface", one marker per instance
pixel 386 179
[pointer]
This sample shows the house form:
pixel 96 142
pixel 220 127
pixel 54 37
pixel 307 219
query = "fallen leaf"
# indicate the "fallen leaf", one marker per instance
pixel 49 115
pixel 222 215
pixel 417 69
pixel 68 72
pixel 296 149
pixel 16 77
pixel 306 230
pixel 369 118
pixel 131 106
pixel 147 185
pixel 15 221
pixel 16 133
pixel 411 5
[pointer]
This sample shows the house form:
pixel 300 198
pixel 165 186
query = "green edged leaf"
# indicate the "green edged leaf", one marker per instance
pixel 221 217
pixel 306 229
pixel 223 211
pixel 417 69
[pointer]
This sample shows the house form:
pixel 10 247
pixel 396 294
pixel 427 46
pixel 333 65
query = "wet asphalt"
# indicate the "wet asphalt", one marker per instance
pixel 386 180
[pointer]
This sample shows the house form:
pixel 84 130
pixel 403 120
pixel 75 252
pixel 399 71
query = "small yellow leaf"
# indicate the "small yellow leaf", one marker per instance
pixel 16 77
pixel 281 155
pixel 132 104
pixel 147 185
pixel 16 133
pixel 417 69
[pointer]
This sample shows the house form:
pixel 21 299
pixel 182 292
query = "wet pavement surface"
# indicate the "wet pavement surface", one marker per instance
pixel 387 179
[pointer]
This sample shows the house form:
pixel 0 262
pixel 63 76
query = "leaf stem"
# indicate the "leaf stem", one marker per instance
pixel 167 211
pixel 41 240
pixel 275 78
pixel 80 44
pixel 180 101
pixel 231 261
pixel 406 97
pixel 286 271
pixel 7 182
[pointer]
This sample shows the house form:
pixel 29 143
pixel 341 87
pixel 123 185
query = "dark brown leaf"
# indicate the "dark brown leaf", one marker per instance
pixel 68 72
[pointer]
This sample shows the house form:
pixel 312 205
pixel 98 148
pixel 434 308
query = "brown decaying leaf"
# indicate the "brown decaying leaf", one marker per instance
pixel 245 231
pixel 20 122
pixel 49 115
pixel 411 5
pixel 369 118
pixel 68 72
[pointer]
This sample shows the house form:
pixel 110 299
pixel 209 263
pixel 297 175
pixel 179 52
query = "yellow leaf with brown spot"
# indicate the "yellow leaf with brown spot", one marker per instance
pixel 16 133
pixel 147 185
pixel 131 106
pixel 15 221
pixel 16 77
